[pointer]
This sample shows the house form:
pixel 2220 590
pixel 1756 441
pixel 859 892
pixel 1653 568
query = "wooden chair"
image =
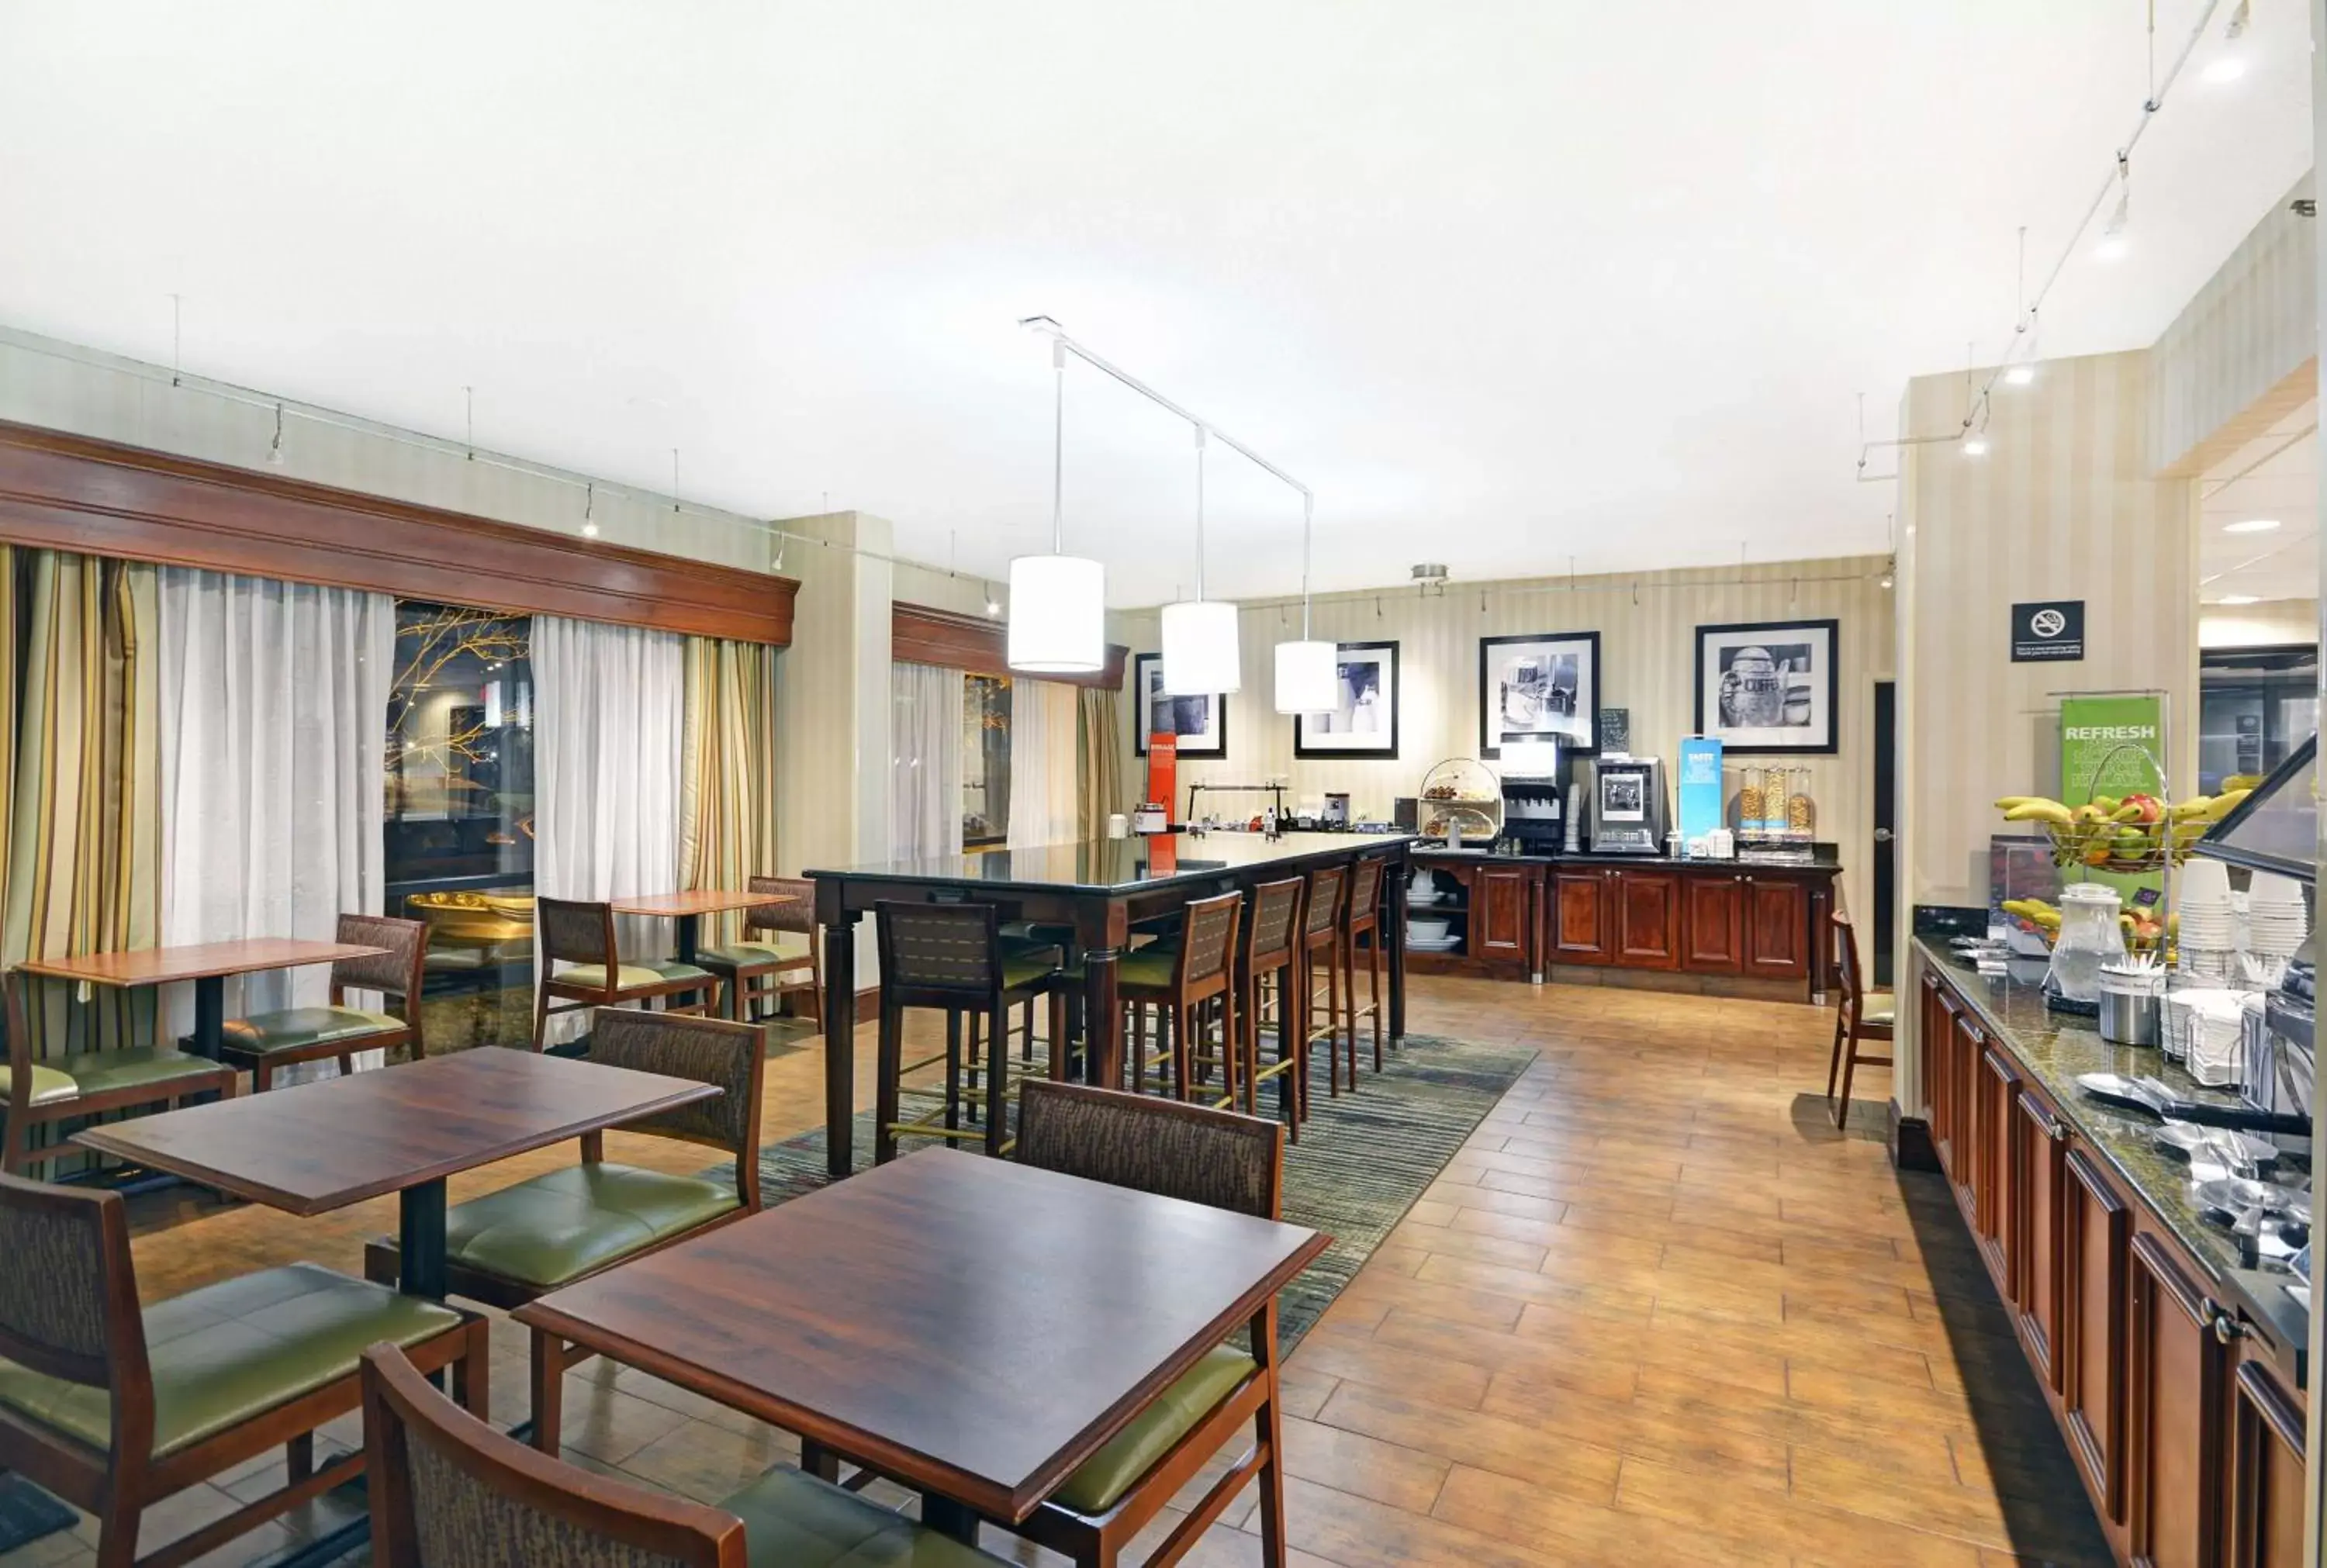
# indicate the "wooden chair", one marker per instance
pixel 115 1409
pixel 1191 986
pixel 448 1491
pixel 45 1091
pixel 1321 932
pixel 1361 922
pixel 1202 1156
pixel 526 1239
pixel 581 935
pixel 950 957
pixel 266 1042
pixel 1857 1016
pixel 758 968
pixel 1269 963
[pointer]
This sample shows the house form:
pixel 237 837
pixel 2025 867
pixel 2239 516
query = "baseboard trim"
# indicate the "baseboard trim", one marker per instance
pixel 1912 1148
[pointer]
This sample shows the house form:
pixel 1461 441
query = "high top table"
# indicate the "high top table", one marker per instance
pixel 1099 886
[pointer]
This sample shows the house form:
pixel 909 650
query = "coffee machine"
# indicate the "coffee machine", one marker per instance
pixel 1628 806
pixel 1534 787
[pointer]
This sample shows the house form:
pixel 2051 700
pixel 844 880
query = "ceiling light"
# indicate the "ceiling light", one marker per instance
pixel 589 512
pixel 2241 17
pixel 2020 375
pixel 993 605
pixel 2238 598
pixel 1308 672
pixel 2113 244
pixel 1058 603
pixel 275 452
pixel 2252 525
pixel 1201 656
pixel 1975 446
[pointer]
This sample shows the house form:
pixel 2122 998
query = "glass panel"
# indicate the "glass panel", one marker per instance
pixel 2254 707
pixel 459 816
pixel 985 761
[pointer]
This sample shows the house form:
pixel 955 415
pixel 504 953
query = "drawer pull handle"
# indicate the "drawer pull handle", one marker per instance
pixel 2228 1330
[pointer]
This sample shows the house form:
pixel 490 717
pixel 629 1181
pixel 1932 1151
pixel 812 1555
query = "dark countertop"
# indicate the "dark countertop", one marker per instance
pixel 1823 866
pixel 1122 865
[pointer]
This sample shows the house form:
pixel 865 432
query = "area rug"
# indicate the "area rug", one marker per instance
pixel 1362 1160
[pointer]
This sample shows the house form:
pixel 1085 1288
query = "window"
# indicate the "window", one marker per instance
pixel 985 761
pixel 459 816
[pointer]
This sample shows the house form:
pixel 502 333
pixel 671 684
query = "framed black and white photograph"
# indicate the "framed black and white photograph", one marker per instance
pixel 1768 687
pixel 1542 686
pixel 1201 722
pixel 1363 721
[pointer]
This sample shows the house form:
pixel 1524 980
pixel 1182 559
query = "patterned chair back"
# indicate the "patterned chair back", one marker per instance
pixel 952 948
pixel 1365 892
pixel 1270 931
pixel 1851 984
pixel 1208 939
pixel 574 932
pixel 707 1050
pixel 1166 1147
pixel 1325 901
pixel 799 914
pixel 448 1491
pixel 69 1299
pixel 398 970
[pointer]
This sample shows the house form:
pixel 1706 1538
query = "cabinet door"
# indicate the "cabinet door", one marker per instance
pixel 1499 913
pixel 1996 1199
pixel 2094 1221
pixel 1964 1072
pixel 1938 1037
pixel 2042 1145
pixel 2173 1414
pixel 2266 1472
pixel 1648 919
pixel 1580 917
pixel 1777 928
pixel 1712 937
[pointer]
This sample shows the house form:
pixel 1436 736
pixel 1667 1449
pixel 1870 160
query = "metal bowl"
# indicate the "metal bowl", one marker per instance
pixel 2186 1139
pixel 2235 1195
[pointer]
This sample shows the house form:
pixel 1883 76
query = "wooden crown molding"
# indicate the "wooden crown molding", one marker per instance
pixel 72 492
pixel 919 634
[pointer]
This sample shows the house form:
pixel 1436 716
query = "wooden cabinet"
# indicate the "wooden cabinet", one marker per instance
pixel 1777 922
pixel 1995 1196
pixel 1712 933
pixel 2174 1425
pixel 1937 1035
pixel 2041 1145
pixel 1968 1044
pixel 1501 914
pixel 1583 929
pixel 2265 1495
pixel 1648 919
pixel 2094 1226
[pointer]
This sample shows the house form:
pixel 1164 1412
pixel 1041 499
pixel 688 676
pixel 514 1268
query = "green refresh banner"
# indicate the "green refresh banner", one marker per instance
pixel 2113 746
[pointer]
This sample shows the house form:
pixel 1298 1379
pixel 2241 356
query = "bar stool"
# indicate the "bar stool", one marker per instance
pixel 582 935
pixel 1321 932
pixel 1362 918
pixel 1190 986
pixel 1858 1017
pixel 950 958
pixel 758 968
pixel 1268 954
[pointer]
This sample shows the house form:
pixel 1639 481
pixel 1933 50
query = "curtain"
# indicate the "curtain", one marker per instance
pixel 80 792
pixel 1044 736
pixel 609 706
pixel 925 796
pixel 274 741
pixel 1101 757
pixel 727 778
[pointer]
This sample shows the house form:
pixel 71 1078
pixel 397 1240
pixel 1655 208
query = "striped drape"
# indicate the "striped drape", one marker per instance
pixel 1100 763
pixel 727 779
pixel 80 704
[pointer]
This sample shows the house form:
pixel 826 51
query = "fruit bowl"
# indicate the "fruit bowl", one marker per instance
pixel 2139 832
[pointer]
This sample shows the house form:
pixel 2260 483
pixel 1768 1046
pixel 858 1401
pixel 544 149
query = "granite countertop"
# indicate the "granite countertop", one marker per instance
pixel 1825 865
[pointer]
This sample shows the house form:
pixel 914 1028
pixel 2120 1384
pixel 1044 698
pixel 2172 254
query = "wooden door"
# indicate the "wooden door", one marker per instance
pixel 1499 914
pixel 1777 918
pixel 2173 1414
pixel 2265 1471
pixel 2042 1142
pixel 1995 1197
pixel 1711 934
pixel 1648 919
pixel 1582 926
pixel 2094 1222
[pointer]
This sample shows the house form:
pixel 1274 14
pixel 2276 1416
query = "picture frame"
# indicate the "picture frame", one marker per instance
pixel 1363 723
pixel 1202 723
pixel 1771 689
pixel 1539 685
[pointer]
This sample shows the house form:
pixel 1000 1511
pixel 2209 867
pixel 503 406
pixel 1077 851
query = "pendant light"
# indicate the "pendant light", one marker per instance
pixel 1307 671
pixel 1058 601
pixel 1201 656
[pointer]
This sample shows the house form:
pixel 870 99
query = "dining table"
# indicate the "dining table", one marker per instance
pixel 1098 886
pixel 687 910
pixel 206 964
pixel 970 1326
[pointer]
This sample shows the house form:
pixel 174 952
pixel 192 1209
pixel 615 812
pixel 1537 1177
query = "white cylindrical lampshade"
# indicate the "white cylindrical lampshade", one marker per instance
pixel 1200 656
pixel 1058 615
pixel 1307 677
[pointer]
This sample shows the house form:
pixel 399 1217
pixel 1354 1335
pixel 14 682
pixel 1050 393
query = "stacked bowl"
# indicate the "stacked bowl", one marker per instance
pixel 2209 923
pixel 2276 915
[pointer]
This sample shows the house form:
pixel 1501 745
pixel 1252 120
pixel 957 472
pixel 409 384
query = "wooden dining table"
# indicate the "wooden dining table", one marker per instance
pixel 973 1328
pixel 688 910
pixel 206 964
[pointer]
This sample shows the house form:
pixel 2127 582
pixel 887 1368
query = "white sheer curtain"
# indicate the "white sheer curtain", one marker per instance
pixel 1044 737
pixel 273 736
pixel 609 712
pixel 925 753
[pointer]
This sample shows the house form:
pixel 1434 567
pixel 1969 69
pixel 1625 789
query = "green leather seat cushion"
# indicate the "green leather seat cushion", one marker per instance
pixel 1878 1010
pixel 793 1520
pixel 630 976
pixel 738 954
pixel 97 1072
pixel 1107 1474
pixel 1149 967
pixel 560 1227
pixel 230 1351
pixel 293 1027
pixel 1024 966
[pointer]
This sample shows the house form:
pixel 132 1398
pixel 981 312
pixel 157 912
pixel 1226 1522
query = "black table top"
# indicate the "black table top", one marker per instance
pixel 1123 866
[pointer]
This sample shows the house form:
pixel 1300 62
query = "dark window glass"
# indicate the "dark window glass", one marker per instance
pixel 985 761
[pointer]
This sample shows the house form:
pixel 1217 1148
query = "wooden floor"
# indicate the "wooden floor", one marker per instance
pixel 1656 1312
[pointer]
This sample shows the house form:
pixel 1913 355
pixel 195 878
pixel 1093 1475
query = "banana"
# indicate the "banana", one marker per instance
pixel 2039 811
pixel 2185 809
pixel 2006 802
pixel 2107 803
pixel 2224 803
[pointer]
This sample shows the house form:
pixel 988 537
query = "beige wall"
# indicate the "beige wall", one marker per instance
pixel 2272 623
pixel 2242 353
pixel 1647 625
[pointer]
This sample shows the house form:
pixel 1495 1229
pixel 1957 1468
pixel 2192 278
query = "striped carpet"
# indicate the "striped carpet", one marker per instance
pixel 1362 1160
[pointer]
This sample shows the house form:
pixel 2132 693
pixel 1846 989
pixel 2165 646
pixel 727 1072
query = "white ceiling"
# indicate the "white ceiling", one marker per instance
pixel 2273 478
pixel 1508 282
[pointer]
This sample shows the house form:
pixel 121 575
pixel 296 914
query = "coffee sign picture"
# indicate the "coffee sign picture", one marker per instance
pixel 1768 688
